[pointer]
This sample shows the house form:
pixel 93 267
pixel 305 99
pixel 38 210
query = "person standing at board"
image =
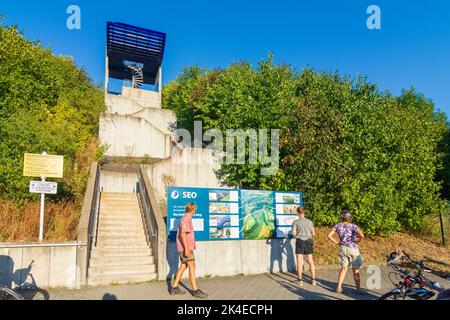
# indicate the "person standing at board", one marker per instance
pixel 303 231
pixel 349 256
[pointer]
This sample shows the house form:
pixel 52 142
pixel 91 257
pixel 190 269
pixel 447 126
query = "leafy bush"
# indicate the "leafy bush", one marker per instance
pixel 342 142
pixel 46 104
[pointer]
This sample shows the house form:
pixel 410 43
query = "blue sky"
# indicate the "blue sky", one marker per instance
pixel 411 49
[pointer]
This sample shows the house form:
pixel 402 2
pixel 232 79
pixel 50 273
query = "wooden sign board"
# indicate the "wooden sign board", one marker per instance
pixel 38 165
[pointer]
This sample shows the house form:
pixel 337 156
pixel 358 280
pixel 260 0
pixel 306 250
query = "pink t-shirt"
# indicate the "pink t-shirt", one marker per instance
pixel 187 227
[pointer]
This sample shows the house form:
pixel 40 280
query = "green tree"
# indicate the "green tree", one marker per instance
pixel 343 143
pixel 47 104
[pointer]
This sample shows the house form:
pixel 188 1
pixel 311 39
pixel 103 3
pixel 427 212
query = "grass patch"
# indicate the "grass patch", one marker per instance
pixel 21 224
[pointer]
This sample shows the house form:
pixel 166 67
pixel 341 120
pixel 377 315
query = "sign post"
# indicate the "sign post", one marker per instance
pixel 41 214
pixel 44 166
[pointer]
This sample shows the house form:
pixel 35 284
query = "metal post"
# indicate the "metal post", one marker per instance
pixel 442 228
pixel 41 215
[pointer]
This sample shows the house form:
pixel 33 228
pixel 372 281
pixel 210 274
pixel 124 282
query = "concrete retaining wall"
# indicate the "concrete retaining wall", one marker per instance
pixel 121 105
pixel 40 265
pixel 162 119
pixel 228 258
pixel 129 136
pixel 146 98
pixel 118 182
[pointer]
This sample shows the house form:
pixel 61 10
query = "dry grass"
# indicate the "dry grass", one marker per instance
pixel 375 249
pixel 22 224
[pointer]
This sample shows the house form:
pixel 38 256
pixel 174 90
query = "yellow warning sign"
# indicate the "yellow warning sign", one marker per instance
pixel 38 165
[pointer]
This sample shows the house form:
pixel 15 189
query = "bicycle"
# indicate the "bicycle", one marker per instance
pixel 412 285
pixel 9 294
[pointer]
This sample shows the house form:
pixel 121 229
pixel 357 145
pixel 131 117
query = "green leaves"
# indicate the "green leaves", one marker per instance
pixel 46 103
pixel 343 143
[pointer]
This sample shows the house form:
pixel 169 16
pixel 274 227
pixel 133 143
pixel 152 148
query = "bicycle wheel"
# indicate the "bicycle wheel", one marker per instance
pixel 9 294
pixel 393 296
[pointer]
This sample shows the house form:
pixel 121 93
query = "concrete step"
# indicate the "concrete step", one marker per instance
pixel 121 261
pixel 126 197
pixel 121 244
pixel 118 218
pixel 119 203
pixel 123 228
pixel 98 252
pixel 117 223
pixel 136 229
pixel 121 237
pixel 119 208
pixel 118 194
pixel 121 279
pixel 118 213
pixel 119 270
pixel 119 200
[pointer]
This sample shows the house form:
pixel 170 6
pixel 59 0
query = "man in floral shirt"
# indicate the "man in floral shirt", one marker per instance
pixel 349 237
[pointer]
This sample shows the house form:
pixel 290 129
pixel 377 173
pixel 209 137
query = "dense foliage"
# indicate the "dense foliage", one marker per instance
pixel 46 104
pixel 343 143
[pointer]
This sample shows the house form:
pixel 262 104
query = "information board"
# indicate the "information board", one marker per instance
pixel 39 165
pixel 232 214
pixel 43 187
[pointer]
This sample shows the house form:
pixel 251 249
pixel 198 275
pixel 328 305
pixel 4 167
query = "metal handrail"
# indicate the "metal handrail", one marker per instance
pixel 155 225
pixel 87 225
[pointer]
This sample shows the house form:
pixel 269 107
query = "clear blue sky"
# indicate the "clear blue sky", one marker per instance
pixel 412 48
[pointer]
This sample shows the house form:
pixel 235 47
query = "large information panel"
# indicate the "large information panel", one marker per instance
pixel 231 214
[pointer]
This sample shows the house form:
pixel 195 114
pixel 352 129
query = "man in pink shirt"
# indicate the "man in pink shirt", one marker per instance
pixel 186 247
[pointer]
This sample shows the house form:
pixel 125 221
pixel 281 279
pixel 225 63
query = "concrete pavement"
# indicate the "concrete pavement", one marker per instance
pixel 279 286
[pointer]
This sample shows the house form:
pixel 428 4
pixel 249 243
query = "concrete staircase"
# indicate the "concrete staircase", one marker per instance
pixel 120 253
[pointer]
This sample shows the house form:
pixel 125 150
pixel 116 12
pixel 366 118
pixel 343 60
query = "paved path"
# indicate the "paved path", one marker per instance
pixel 280 286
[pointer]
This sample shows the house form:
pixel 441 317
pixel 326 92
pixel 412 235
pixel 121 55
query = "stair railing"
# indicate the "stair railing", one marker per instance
pixel 155 226
pixel 87 226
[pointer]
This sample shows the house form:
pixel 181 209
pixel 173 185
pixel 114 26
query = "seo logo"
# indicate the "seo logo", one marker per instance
pixel 189 195
pixel 175 194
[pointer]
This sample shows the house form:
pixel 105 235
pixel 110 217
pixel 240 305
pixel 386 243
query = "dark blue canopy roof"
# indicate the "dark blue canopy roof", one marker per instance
pixel 127 43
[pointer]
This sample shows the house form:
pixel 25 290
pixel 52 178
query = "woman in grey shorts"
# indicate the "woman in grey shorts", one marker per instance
pixel 349 237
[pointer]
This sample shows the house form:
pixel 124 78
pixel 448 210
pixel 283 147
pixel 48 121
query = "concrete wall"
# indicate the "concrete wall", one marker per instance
pixel 190 167
pixel 228 258
pixel 163 119
pixel 129 136
pixel 121 105
pixel 38 265
pixel 118 182
pixel 146 98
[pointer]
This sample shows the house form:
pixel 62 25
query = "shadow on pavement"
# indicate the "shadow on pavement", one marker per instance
pixel 109 296
pixel 289 281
